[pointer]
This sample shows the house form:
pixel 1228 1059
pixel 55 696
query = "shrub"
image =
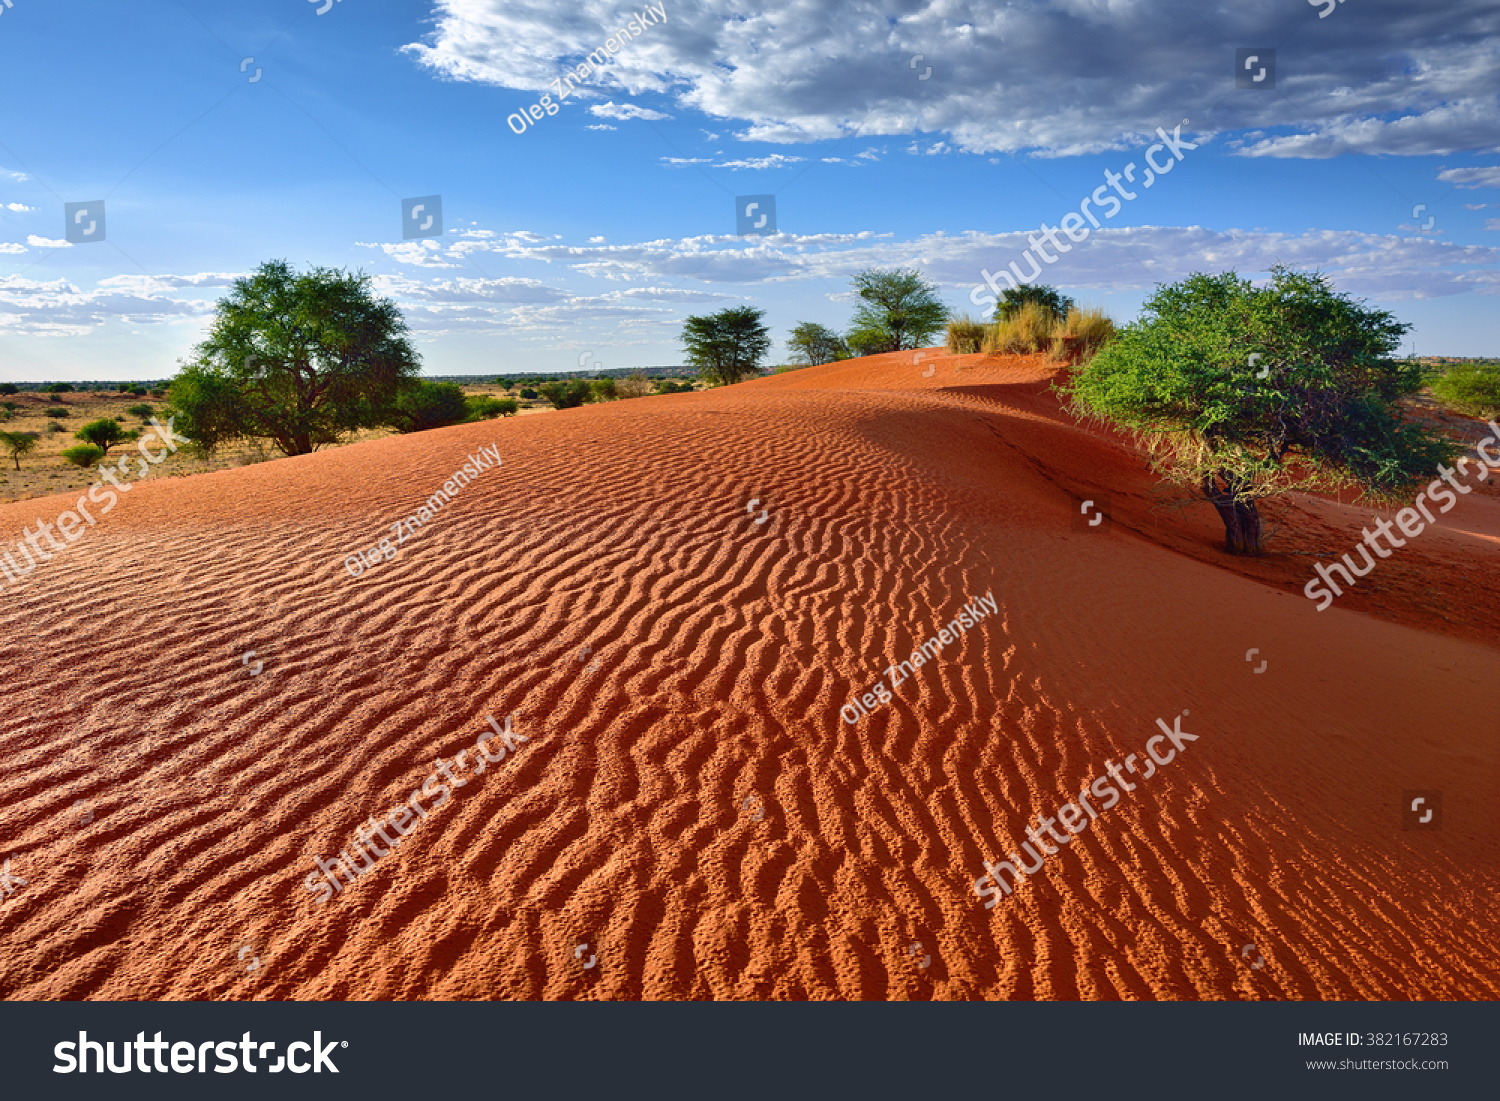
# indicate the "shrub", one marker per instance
pixel 84 455
pixel 10 406
pixel 424 405
pixel 142 410
pixel 1086 330
pixel 485 408
pixel 528 393
pixel 1471 390
pixel 667 386
pixel 1028 330
pixel 60 388
pixel 158 393
pixel 965 335
pixel 503 383
pixel 9 388
pixel 140 391
pixel 567 395
pixel 604 389
pixel 126 387
pixel 58 413
pixel 53 428
pixel 636 386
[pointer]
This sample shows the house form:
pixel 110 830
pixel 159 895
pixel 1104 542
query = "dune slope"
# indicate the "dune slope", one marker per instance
pixel 689 813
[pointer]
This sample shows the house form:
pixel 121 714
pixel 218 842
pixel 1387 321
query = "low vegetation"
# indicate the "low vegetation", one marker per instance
pixel 1470 389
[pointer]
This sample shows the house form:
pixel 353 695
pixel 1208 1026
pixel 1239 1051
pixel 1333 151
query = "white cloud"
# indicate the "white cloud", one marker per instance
pixel 775 160
pixel 1072 76
pixel 45 242
pixel 621 111
pixel 19 208
pixel 1492 223
pixel 600 126
pixel 11 247
pixel 1470 178
pixel 1477 206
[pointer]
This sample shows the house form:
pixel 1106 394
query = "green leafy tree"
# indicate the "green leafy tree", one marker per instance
pixel 423 405
pixel 19 444
pixel 528 393
pixel 812 344
pixel 727 346
pixel 567 395
pixel 300 358
pixel 605 389
pixel 899 310
pixel 84 455
pixel 1186 377
pixel 9 388
pixel 141 410
pixel 60 388
pixel 1049 298
pixel 104 434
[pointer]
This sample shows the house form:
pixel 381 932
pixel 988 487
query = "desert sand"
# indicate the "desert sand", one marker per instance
pixel 689 813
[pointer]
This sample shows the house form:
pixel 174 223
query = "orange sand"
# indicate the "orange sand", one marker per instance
pixel 692 807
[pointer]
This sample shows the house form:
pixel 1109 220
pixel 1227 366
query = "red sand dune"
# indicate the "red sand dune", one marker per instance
pixel 689 804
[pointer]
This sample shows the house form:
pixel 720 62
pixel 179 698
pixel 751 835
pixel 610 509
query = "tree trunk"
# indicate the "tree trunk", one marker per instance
pixel 1243 532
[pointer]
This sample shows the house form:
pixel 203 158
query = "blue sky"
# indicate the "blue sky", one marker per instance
pixel 597 230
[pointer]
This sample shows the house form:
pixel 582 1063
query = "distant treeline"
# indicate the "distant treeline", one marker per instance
pixel 567 376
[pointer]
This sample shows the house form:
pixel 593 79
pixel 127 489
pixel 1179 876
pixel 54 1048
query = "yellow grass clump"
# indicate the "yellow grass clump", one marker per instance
pixel 1085 331
pixel 965 335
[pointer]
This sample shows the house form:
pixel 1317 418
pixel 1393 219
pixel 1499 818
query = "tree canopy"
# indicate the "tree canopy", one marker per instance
pixel 1187 377
pixel 812 344
pixel 898 310
pixel 727 346
pixel 301 359
pixel 1012 299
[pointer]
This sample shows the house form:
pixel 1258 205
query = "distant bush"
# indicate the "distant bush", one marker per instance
pixel 58 413
pixel 9 388
pixel 142 410
pixel 423 405
pixel 1471 390
pixel 667 386
pixel 1085 331
pixel 965 336
pixel 529 394
pixel 53 428
pixel 485 408
pixel 84 455
pixel 1027 330
pixel 636 386
pixel 604 389
pixel 158 393
pixel 1013 299
pixel 126 387
pixel 60 388
pixel 567 395
pixel 503 383
pixel 120 419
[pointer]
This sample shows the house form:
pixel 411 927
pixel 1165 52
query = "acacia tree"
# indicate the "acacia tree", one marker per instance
pixel 301 359
pixel 1049 298
pixel 812 344
pixel 727 346
pixel 1186 377
pixel 898 310
pixel 104 434
pixel 18 444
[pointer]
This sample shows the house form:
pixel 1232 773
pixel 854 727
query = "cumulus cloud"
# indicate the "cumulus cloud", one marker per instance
pixel 60 308
pixel 19 207
pixel 1072 76
pixel 45 242
pixel 11 247
pixel 1470 178
pixel 620 111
